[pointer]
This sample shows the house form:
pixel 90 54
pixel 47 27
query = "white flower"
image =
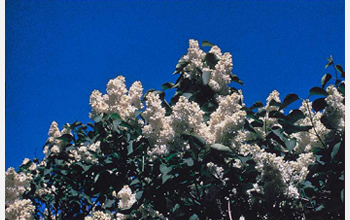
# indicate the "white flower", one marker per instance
pixel 127 198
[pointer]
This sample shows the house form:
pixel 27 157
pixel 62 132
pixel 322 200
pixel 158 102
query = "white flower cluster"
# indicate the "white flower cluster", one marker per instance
pixel 127 198
pixel 308 140
pixel 220 76
pixel 164 132
pixel 85 153
pixel 15 185
pixel 54 145
pixel 335 109
pixel 216 171
pixel 118 99
pixel 291 172
pixel 226 124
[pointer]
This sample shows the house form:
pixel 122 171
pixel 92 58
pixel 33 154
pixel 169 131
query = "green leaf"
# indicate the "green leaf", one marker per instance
pixel 221 147
pixel 248 126
pixel 290 98
pixel 319 104
pixel 65 137
pixel 289 128
pixel 165 170
pixel 130 148
pixel 194 217
pixel 325 78
pixel 330 61
pixel 274 103
pixel 139 195
pixel 181 65
pixel 317 91
pixel 256 105
pixel 319 208
pixel 294 116
pixel 109 203
pixel 335 150
pixel 207 44
pixel 235 79
pixel 206 77
pixel 290 144
pixel 341 88
pixel 339 68
pixel 211 60
pixel 342 195
pixel 189 161
pixel 167 85
pixel 276 114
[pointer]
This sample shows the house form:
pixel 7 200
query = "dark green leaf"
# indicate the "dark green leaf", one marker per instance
pixel 290 98
pixel 194 217
pixel 115 116
pixel 167 85
pixel 289 128
pixel 207 44
pixel 325 78
pixel 189 161
pixel 130 148
pixel 109 203
pixel 181 65
pixel 341 88
pixel 235 79
pixel 221 147
pixel 335 150
pixel 276 114
pixel 294 116
pixel 290 144
pixel 330 61
pixel 206 77
pixel 274 103
pixel 249 127
pixel 339 68
pixel 319 104
pixel 211 60
pixel 257 105
pixel 317 91
pixel 65 137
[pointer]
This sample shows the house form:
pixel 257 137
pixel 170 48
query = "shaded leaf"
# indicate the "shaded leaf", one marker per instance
pixel 167 85
pixel 211 59
pixel 181 65
pixel 256 105
pixel 319 104
pixel 206 77
pixel 290 98
pixel 189 161
pixel 335 150
pixel 325 78
pixel 289 128
pixel 317 91
pixel 207 44
pixel 235 79
pixel 290 144
pixel 294 116
pixel 330 61
pixel 221 147
pixel 339 68
pixel 341 88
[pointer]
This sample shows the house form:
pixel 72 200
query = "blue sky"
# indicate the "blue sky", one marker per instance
pixel 58 52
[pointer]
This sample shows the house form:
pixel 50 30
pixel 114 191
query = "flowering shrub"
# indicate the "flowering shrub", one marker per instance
pixel 202 154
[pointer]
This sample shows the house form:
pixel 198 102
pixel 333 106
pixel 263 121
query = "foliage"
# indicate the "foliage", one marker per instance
pixel 202 154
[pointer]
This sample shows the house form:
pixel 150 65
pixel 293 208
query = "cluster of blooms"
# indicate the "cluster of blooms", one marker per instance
pixel 291 173
pixel 54 145
pixel 220 76
pixel 308 140
pixel 84 153
pixel 118 99
pixel 226 124
pixel 335 109
pixel 15 185
pixel 216 171
pixel 127 198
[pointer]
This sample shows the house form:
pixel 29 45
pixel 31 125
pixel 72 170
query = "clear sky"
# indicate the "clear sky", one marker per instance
pixel 58 52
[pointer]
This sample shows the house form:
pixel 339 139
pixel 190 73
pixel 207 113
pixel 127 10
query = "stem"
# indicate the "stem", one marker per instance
pixel 313 125
pixel 229 209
